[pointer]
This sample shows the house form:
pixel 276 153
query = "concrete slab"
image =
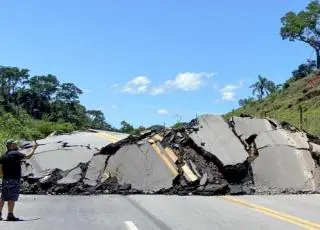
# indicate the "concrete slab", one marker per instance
pixel 67 151
pixel 73 176
pixel 245 126
pixel 216 137
pixel 284 167
pixel 140 166
pixel 95 169
pixel 315 148
pixel 267 134
pixel 284 160
pixel 63 159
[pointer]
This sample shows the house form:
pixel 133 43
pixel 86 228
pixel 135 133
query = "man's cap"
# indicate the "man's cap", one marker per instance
pixel 11 141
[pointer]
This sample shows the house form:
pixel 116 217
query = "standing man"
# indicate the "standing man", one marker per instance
pixel 11 166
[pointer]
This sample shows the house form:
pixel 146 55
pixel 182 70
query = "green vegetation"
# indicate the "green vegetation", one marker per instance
pixel 284 104
pixel 263 87
pixel 302 90
pixel 304 27
pixel 33 107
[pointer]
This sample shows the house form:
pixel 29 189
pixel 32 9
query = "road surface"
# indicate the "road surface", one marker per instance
pixel 166 212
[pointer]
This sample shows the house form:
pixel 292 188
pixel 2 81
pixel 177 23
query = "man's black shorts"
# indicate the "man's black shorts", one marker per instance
pixel 10 189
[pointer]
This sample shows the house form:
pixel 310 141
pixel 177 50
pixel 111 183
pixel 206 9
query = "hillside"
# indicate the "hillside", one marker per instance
pixel 284 104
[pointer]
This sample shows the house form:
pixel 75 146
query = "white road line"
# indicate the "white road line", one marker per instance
pixel 130 225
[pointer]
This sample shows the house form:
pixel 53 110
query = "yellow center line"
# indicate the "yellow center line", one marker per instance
pixel 108 137
pixel 276 214
pixel 167 162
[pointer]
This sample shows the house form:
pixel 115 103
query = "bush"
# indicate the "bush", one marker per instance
pixel 304 70
pixel 27 128
pixel 286 85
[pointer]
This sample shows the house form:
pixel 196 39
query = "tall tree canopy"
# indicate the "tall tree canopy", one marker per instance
pixel 263 87
pixel 43 97
pixel 304 26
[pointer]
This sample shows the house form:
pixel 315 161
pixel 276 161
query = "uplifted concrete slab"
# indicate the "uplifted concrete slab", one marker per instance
pixel 247 126
pixel 72 177
pixel 284 161
pixel 63 159
pixel 67 151
pixel 216 137
pixel 284 168
pixel 282 137
pixel 315 148
pixel 267 134
pixel 95 169
pixel 140 166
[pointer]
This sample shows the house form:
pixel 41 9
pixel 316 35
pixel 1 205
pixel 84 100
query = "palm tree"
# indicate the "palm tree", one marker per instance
pixel 262 87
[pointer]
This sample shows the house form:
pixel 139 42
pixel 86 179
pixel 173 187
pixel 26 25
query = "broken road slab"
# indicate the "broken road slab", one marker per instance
pixel 95 169
pixel 283 167
pixel 72 177
pixel 140 166
pixel 207 156
pixel 284 161
pixel 66 151
pixel 215 137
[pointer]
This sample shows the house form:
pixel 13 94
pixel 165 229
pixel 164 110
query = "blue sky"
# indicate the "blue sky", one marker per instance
pixel 152 61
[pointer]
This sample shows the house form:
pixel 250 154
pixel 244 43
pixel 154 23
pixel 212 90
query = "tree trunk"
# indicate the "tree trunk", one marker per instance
pixel 318 58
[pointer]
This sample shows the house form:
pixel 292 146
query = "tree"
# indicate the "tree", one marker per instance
pixel 11 79
pixel 271 87
pixel 304 70
pixel 262 87
pixel 126 127
pixel 37 98
pixel 68 93
pixel 97 120
pixel 245 101
pixel 303 26
pixel 45 86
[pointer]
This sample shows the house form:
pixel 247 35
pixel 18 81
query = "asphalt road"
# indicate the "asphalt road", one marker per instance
pixel 167 212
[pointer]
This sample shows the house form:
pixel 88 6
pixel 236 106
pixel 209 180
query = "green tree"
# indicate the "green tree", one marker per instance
pixel 11 79
pixel 36 99
pixel 126 127
pixel 304 27
pixel 304 70
pixel 46 86
pixel 245 101
pixel 97 120
pixel 68 93
pixel 262 87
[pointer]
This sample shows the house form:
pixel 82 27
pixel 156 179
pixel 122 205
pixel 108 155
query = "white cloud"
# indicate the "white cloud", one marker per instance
pixel 187 81
pixel 137 85
pixel 114 86
pixel 156 91
pixel 163 112
pixel 228 91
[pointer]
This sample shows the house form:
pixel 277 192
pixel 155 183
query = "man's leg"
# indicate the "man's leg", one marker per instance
pixel 12 198
pixel 1 208
pixel 10 207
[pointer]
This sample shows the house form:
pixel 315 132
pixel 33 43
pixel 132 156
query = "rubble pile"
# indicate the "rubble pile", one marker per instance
pixel 209 156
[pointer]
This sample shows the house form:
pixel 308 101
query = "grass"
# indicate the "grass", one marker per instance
pixel 26 128
pixel 284 105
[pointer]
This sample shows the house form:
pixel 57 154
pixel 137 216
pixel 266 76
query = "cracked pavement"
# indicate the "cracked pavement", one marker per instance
pixel 209 156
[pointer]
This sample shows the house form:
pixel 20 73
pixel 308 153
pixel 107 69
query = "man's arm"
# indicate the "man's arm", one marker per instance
pixel 31 153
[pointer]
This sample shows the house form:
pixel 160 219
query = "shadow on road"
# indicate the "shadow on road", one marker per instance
pixel 23 220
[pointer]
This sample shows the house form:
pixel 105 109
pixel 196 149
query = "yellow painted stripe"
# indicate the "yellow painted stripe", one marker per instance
pixel 171 154
pixel 108 137
pixel 276 214
pixel 165 159
pixel 190 175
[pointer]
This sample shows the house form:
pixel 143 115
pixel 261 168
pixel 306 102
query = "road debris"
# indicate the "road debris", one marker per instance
pixel 208 156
